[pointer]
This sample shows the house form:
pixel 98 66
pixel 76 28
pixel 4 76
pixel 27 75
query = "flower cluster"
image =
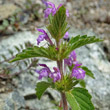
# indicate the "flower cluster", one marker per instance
pixel 47 12
pixel 43 36
pixel 71 61
pixel 46 72
pixel 52 9
pixel 77 72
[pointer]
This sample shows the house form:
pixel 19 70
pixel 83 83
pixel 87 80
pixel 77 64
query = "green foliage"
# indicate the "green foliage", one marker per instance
pixel 41 87
pixel 66 84
pixel 79 99
pixel 35 51
pixel 58 25
pixel 88 72
pixel 78 41
pixel 82 83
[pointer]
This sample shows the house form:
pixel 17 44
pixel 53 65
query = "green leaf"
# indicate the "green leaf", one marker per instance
pixel 79 41
pixel 35 51
pixel 88 72
pixel 82 83
pixel 58 24
pixel 41 87
pixel 79 99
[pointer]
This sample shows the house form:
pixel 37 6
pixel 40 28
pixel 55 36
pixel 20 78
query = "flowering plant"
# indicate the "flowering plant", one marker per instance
pixel 69 72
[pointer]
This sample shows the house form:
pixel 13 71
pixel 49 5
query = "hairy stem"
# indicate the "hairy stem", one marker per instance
pixel 65 106
pixel 60 66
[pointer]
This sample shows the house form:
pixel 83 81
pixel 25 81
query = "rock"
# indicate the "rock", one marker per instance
pixel 11 101
pixel 7 10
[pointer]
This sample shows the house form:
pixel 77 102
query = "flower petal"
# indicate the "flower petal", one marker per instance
pixel 67 12
pixel 59 6
pixel 55 75
pixel 40 38
pixel 45 2
pixel 66 36
pixel 47 12
pixel 42 31
pixel 79 73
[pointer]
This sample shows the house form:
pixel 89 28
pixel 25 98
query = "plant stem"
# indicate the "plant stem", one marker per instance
pixel 65 106
pixel 60 66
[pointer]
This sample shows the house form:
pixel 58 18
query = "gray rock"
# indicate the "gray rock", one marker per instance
pixel 7 10
pixel 11 101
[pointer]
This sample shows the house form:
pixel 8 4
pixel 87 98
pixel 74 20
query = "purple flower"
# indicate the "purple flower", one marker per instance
pixel 45 2
pixel 55 75
pixel 66 35
pixel 72 59
pixel 78 73
pixel 59 6
pixel 73 55
pixel 43 36
pixel 53 10
pixel 47 12
pixel 44 72
pixel 67 13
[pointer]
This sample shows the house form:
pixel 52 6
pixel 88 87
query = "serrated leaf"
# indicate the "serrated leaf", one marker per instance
pixel 35 51
pixel 79 41
pixel 79 99
pixel 41 87
pixel 58 24
pixel 88 72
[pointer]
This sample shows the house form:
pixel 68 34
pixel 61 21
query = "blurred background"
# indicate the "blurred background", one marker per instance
pixel 18 22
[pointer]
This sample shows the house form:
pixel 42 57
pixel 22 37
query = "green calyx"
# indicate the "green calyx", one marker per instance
pixel 66 84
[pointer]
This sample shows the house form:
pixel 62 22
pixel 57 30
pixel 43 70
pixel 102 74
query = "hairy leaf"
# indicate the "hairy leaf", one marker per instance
pixel 58 24
pixel 41 87
pixel 79 41
pixel 79 99
pixel 88 72
pixel 35 51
